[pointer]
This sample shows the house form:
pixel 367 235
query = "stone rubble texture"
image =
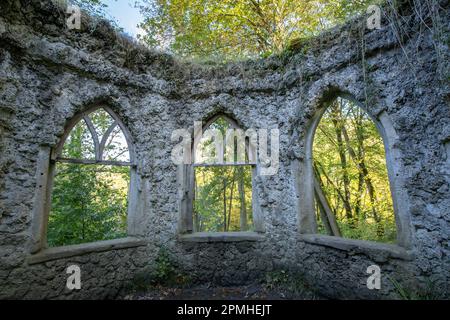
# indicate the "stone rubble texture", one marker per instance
pixel 49 73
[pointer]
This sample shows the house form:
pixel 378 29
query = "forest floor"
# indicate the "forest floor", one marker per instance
pixel 250 292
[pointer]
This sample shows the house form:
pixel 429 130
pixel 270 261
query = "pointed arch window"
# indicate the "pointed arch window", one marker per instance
pixel 92 170
pixel 88 194
pixel 218 199
pixel 349 180
pixel 352 191
pixel 223 179
pixel 95 138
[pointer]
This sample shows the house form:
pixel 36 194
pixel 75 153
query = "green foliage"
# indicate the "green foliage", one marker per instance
pixel 223 194
pixel 217 202
pixel 384 231
pixel 164 266
pixel 276 279
pixel 163 273
pixel 429 292
pixel 291 282
pixel 89 202
pixel 230 29
pixel 350 164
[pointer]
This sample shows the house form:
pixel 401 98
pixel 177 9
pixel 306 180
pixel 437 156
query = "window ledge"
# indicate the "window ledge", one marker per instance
pixel 85 248
pixel 379 251
pixel 221 237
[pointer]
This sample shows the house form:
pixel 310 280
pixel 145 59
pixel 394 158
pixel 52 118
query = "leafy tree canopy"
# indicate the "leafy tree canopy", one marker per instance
pixel 227 29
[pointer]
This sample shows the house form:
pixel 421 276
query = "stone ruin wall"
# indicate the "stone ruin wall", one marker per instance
pixel 48 74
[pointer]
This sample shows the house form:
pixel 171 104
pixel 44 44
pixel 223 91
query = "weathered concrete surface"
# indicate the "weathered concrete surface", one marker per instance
pixel 49 73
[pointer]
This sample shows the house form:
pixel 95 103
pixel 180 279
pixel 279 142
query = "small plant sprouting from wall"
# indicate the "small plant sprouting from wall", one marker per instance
pixel 290 284
pixel 428 292
pixel 162 273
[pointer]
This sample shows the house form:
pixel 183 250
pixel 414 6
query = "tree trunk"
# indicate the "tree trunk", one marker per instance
pixel 224 204
pixel 361 164
pixel 338 125
pixel 328 218
pixel 330 182
pixel 365 172
pixel 243 209
pixel 360 138
pixel 195 213
pixel 323 217
pixel 231 199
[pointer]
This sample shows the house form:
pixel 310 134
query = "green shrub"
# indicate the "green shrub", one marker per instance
pixel 163 273
pixel 290 282
pixel 408 293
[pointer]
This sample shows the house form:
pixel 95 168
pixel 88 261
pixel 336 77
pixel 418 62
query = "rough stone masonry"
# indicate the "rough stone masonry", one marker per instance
pixel 49 73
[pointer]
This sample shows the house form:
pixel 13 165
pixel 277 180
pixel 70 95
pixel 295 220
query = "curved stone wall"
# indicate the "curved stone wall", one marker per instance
pixel 49 73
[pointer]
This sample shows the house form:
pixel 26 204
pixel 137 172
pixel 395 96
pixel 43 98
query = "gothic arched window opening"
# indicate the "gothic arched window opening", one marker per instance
pixel 91 181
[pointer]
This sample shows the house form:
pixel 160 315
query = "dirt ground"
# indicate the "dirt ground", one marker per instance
pixel 252 292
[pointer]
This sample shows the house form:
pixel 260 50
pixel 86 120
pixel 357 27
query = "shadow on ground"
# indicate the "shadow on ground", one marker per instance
pixel 251 292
